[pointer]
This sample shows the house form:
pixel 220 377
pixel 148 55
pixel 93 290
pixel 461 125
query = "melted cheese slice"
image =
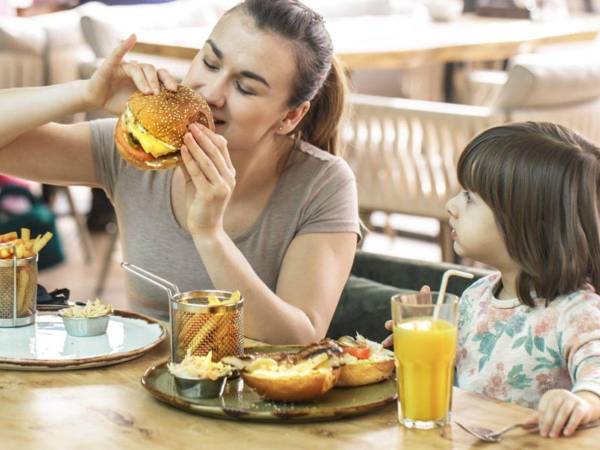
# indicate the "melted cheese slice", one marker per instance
pixel 149 143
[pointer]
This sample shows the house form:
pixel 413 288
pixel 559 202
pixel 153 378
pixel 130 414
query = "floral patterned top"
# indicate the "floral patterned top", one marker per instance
pixel 515 353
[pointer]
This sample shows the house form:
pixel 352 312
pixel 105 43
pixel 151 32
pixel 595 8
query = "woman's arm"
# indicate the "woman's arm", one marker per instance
pixel 314 271
pixel 32 147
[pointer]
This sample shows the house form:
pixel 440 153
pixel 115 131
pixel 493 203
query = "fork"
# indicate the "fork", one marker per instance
pixel 487 435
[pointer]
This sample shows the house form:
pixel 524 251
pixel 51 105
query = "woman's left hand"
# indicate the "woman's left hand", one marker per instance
pixel 210 180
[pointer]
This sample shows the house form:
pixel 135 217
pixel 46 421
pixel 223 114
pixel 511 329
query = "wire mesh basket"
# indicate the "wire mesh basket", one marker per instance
pixel 18 290
pixel 196 324
pixel 200 328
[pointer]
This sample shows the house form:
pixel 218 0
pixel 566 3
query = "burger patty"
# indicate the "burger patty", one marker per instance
pixel 132 140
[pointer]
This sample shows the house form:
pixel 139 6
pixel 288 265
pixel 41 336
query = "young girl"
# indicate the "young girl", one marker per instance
pixel 530 334
pixel 264 205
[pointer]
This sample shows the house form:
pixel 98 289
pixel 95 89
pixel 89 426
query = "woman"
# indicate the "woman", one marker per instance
pixel 256 206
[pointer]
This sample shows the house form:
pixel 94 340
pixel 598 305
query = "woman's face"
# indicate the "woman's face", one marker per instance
pixel 246 75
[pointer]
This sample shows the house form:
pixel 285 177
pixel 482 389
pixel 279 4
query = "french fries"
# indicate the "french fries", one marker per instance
pixel 22 300
pixel 24 247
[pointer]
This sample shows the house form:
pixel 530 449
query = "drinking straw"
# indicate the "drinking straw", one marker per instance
pixel 443 287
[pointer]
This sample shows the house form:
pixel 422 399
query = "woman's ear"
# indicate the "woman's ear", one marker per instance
pixel 292 118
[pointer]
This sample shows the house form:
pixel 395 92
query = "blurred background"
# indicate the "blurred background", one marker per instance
pixel 426 76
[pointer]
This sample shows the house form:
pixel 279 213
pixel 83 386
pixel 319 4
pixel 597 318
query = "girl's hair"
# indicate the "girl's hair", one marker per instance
pixel 542 182
pixel 319 76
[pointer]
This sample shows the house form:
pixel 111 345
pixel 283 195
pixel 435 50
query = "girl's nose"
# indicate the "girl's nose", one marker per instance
pixel 450 207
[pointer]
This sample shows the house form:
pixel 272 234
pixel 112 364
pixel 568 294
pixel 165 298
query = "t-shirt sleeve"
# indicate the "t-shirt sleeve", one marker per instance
pixel 332 206
pixel 107 162
pixel 579 341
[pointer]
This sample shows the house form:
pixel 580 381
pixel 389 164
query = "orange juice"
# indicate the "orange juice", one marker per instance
pixel 425 351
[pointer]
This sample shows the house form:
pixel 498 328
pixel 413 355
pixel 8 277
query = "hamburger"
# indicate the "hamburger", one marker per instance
pixel 292 377
pixel 150 132
pixel 365 362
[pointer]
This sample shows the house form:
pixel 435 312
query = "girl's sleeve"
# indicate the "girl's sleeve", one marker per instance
pixel 579 341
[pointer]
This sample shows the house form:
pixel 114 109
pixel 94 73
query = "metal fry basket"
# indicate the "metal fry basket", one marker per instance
pixel 18 290
pixel 195 324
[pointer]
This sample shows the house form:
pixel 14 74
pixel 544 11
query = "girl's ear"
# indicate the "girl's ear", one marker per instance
pixel 292 118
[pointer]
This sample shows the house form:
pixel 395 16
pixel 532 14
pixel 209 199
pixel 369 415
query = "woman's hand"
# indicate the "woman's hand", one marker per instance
pixel 115 80
pixel 210 180
pixel 424 296
pixel 561 412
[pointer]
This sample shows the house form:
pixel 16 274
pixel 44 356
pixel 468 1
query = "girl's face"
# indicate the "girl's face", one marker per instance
pixel 246 75
pixel 475 231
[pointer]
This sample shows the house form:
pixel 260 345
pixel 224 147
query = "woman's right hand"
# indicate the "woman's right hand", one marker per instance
pixel 115 80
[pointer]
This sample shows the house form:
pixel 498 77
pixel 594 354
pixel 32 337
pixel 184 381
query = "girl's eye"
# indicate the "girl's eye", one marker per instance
pixel 242 90
pixel 209 66
pixel 467 196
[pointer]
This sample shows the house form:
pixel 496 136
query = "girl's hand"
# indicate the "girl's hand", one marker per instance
pixel 115 80
pixel 424 296
pixel 210 180
pixel 561 411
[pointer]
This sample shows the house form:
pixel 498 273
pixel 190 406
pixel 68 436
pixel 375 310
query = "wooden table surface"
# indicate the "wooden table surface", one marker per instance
pixel 400 42
pixel 108 408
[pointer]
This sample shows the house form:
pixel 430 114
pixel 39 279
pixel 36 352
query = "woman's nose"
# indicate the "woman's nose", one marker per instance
pixel 214 92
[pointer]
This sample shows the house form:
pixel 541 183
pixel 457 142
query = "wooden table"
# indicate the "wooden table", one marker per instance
pixel 401 42
pixel 108 408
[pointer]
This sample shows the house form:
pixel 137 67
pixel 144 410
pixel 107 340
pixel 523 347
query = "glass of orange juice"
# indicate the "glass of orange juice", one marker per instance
pixel 425 347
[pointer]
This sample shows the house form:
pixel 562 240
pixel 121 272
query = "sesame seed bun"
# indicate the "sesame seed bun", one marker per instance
pixel 164 116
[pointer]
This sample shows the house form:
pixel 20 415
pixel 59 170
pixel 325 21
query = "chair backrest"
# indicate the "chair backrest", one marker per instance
pixel 551 80
pixel 556 87
pixel 22 46
pixel 404 152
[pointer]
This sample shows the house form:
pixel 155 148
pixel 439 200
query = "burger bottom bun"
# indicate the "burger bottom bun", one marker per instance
pixel 122 143
pixel 293 388
pixel 359 374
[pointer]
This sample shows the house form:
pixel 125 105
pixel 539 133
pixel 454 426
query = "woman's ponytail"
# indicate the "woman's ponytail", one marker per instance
pixel 322 124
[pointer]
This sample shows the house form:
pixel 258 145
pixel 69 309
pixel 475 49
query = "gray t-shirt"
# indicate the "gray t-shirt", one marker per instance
pixel 315 194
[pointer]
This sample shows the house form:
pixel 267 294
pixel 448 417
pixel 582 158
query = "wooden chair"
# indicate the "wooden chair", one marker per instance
pixel 404 152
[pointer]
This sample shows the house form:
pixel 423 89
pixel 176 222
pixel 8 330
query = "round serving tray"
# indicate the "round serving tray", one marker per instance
pixel 240 402
pixel 46 346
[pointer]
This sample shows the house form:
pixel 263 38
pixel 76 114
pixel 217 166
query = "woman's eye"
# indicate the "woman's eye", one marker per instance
pixel 242 90
pixel 209 65
pixel 467 196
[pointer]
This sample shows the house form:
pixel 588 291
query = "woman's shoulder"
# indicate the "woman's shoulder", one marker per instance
pixel 102 134
pixel 103 126
pixel 317 162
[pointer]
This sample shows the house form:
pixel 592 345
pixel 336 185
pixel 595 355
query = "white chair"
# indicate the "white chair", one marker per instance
pixel 404 152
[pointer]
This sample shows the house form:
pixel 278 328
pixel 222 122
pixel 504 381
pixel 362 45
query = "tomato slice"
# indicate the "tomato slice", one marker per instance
pixel 141 154
pixel 358 352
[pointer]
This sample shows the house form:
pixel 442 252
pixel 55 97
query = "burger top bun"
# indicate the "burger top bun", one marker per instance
pixel 167 115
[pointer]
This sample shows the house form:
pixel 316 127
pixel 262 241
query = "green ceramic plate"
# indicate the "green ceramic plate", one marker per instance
pixel 240 402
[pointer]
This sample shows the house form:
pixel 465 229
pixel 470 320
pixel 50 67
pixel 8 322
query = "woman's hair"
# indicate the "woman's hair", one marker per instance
pixel 319 76
pixel 542 182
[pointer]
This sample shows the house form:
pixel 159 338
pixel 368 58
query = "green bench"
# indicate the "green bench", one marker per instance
pixel 365 302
